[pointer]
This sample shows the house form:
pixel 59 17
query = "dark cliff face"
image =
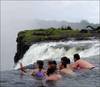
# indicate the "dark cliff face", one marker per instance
pixel 21 49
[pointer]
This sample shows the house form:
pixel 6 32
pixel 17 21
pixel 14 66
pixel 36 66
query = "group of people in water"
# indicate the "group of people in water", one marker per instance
pixel 55 71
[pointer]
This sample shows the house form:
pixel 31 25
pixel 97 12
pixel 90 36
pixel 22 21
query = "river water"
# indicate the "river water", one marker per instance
pixel 90 78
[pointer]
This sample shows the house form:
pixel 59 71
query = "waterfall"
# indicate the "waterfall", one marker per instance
pixel 56 50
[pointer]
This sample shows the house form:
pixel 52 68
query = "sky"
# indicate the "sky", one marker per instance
pixel 20 15
pixel 53 10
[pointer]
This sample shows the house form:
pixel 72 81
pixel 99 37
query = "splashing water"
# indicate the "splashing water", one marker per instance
pixel 56 50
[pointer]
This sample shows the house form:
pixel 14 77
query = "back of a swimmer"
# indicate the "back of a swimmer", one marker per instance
pixel 39 72
pixel 81 64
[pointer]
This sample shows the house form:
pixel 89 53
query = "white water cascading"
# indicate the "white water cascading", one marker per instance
pixel 56 50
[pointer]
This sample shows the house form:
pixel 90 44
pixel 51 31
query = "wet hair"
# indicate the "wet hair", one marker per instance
pixel 51 70
pixel 52 62
pixel 40 64
pixel 64 63
pixel 76 56
pixel 53 67
pixel 65 60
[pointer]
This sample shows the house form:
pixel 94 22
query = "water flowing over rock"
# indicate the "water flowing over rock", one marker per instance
pixel 56 50
pixel 26 38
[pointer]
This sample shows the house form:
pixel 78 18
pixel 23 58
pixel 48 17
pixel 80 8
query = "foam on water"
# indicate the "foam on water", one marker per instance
pixel 55 50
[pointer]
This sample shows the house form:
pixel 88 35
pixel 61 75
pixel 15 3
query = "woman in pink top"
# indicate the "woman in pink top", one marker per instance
pixel 81 64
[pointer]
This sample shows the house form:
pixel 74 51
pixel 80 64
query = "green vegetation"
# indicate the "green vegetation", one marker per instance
pixel 26 38
pixel 55 34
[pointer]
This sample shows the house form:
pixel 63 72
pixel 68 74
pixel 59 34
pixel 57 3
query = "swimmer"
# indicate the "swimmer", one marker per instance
pixel 65 68
pixel 40 71
pixel 81 64
pixel 40 74
pixel 52 74
pixel 62 60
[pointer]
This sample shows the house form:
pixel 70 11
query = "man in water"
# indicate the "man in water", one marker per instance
pixel 81 64
pixel 52 74
pixel 65 67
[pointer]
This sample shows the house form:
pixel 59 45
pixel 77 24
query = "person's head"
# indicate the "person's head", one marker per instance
pixel 52 67
pixel 40 64
pixel 76 57
pixel 65 62
pixel 65 59
pixel 51 63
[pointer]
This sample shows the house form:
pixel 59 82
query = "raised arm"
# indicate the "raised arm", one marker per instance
pixel 22 68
